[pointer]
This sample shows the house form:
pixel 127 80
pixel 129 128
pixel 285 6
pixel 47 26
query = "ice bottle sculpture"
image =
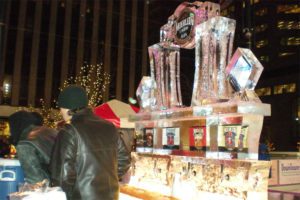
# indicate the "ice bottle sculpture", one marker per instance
pixel 214 40
pixel 165 70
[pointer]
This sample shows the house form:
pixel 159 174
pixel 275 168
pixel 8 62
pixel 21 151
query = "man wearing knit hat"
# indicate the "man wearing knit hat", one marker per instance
pixel 89 156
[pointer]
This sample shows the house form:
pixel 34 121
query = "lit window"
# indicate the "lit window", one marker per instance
pixel 261 28
pixel 288 9
pixel 283 54
pixel 292 87
pixel 286 88
pixel 290 41
pixel 261 12
pixel 288 25
pixel 261 43
pixel 263 91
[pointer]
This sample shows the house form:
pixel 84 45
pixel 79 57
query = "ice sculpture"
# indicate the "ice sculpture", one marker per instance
pixel 165 70
pixel 166 31
pixel 214 40
pixel 187 16
pixel 243 72
pixel 146 93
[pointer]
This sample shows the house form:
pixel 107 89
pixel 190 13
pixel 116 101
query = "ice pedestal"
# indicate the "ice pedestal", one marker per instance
pixel 214 40
pixel 193 177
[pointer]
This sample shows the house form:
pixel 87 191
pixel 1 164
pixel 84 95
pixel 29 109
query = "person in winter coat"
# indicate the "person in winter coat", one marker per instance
pixel 89 156
pixel 34 144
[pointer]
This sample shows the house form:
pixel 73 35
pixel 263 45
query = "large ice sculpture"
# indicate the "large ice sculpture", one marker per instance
pixel 146 94
pixel 165 70
pixel 214 40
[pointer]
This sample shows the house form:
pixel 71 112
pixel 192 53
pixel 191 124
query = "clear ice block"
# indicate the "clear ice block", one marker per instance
pixel 214 40
pixel 243 70
pixel 166 31
pixel 146 94
pixel 165 70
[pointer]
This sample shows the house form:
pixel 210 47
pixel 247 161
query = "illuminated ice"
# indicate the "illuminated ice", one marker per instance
pixel 166 31
pixel 145 93
pixel 214 40
pixel 243 70
pixel 165 70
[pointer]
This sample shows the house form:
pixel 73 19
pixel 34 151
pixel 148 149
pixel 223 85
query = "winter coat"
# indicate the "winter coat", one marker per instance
pixel 88 159
pixel 34 150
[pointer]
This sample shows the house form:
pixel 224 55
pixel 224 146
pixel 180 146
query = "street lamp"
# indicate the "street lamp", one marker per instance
pixel 6 90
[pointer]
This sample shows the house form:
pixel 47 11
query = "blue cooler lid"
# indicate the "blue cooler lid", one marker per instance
pixel 9 162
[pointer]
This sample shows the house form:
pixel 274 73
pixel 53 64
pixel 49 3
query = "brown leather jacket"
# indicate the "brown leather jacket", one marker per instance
pixel 88 158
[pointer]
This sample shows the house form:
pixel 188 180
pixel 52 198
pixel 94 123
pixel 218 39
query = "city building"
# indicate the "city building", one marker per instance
pixel 45 42
pixel 271 29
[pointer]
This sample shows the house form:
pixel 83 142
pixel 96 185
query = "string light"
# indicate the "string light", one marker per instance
pixel 50 115
pixel 91 77
pixel 94 80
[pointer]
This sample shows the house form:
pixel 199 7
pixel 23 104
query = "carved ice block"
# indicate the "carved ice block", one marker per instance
pixel 165 70
pixel 145 93
pixel 214 40
pixel 166 31
pixel 243 70
pixel 200 178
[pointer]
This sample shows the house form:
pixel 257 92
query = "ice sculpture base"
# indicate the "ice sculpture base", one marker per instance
pixel 181 177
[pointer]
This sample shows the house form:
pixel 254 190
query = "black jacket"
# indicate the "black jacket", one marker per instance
pixel 34 150
pixel 88 158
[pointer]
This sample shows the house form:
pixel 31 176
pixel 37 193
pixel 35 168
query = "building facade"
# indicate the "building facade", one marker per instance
pixel 271 29
pixel 45 42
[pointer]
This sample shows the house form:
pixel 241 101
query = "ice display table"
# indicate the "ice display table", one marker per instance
pixel 209 118
pixel 208 171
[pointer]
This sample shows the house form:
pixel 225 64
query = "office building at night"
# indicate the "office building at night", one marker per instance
pixel 45 42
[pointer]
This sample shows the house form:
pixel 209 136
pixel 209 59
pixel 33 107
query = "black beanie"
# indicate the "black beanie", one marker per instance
pixel 72 97
pixel 18 122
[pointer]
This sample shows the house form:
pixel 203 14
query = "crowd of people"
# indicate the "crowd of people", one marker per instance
pixel 86 157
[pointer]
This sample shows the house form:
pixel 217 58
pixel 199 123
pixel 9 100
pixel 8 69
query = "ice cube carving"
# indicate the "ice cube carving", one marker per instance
pixel 243 70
